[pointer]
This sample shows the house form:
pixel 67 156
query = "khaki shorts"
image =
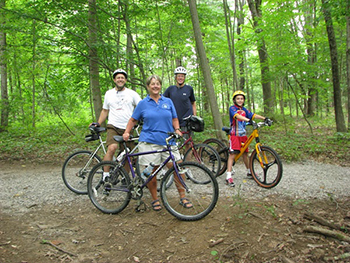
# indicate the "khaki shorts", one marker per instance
pixel 156 158
pixel 112 131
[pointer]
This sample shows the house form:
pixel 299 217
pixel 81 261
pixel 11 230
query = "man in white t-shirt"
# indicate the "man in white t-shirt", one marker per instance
pixel 119 104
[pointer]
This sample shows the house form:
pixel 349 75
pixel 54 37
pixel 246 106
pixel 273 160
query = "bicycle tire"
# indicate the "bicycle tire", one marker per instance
pixel 202 196
pixel 76 169
pixel 160 177
pixel 110 195
pixel 222 150
pixel 207 155
pixel 269 175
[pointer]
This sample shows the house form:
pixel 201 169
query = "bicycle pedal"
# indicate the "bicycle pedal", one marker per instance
pixel 141 207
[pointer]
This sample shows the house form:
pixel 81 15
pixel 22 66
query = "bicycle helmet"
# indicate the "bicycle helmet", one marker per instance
pixel 120 71
pixel 238 92
pixel 180 70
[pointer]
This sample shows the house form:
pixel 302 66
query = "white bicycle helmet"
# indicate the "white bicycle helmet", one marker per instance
pixel 120 71
pixel 180 70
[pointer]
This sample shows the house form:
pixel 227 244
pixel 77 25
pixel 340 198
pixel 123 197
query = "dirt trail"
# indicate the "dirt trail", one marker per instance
pixel 249 224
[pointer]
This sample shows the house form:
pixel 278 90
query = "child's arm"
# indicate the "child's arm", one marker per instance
pixel 242 118
pixel 256 116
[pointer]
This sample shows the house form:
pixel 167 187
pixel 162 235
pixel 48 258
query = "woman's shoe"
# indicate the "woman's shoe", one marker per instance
pixel 230 182
pixel 156 205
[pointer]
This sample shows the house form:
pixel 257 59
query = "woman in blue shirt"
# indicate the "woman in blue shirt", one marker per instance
pixel 159 117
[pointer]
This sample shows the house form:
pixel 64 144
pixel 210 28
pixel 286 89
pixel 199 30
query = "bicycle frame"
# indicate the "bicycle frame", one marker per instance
pixel 252 136
pixel 128 156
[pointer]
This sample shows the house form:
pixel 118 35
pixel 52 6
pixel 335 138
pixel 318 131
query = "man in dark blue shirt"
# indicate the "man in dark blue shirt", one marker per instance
pixel 182 96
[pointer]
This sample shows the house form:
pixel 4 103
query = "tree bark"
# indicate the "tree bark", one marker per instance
pixel 241 54
pixel 230 42
pixel 348 57
pixel 206 70
pixel 311 57
pixel 93 60
pixel 3 73
pixel 339 116
pixel 33 73
pixel 254 6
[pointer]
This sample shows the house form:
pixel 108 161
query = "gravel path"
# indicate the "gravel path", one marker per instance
pixel 26 186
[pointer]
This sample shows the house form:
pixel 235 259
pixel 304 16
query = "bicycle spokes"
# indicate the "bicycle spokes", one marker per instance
pixel 266 167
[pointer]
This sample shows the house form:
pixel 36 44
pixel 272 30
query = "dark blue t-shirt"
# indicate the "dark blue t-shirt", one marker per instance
pixel 182 99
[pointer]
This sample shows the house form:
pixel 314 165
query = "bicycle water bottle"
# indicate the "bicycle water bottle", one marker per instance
pixel 121 155
pixel 147 172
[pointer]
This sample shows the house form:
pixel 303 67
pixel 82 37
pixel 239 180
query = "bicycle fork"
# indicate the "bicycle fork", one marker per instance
pixel 261 155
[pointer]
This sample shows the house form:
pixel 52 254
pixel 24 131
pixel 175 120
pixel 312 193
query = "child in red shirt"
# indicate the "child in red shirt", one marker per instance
pixel 239 115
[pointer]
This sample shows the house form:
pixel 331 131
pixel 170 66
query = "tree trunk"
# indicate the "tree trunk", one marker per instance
pixel 311 54
pixel 129 43
pixel 230 41
pixel 339 116
pixel 33 73
pixel 206 70
pixel 3 73
pixel 348 57
pixel 254 6
pixel 241 54
pixel 93 60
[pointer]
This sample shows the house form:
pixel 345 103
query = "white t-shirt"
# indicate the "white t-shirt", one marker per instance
pixel 121 105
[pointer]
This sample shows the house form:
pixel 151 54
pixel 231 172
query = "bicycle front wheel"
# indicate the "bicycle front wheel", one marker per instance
pixel 268 172
pixel 76 169
pixel 222 150
pixel 110 194
pixel 203 196
pixel 206 155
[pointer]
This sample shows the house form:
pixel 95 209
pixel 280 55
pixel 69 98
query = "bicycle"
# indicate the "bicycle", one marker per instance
pixel 201 153
pixel 264 163
pixel 77 166
pixel 111 194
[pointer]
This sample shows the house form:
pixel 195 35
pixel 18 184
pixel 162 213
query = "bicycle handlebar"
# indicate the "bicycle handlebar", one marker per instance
pixel 255 126
pixel 173 135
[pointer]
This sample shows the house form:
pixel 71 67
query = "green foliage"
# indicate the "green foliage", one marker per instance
pixel 48 61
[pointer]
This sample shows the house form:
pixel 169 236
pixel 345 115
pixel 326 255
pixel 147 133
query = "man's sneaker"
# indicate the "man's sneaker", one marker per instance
pixel 230 182
pixel 250 176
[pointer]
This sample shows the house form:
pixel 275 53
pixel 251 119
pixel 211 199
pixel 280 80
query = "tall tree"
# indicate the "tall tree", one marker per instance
pixel 311 54
pixel 339 116
pixel 255 9
pixel 231 42
pixel 348 57
pixel 205 69
pixel 93 59
pixel 4 106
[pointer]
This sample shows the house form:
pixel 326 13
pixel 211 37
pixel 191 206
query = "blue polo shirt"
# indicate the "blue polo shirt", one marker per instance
pixel 157 119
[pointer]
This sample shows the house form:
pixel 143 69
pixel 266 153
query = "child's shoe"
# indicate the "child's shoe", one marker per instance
pixel 230 182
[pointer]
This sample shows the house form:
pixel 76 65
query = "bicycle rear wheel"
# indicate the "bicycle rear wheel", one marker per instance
pixel 268 174
pixel 202 196
pixel 222 150
pixel 110 194
pixel 76 169
pixel 206 155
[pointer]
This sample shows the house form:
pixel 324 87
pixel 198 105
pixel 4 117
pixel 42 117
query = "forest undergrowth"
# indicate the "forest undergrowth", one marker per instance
pixel 292 138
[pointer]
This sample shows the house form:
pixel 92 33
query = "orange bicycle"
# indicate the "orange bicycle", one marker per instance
pixel 264 163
